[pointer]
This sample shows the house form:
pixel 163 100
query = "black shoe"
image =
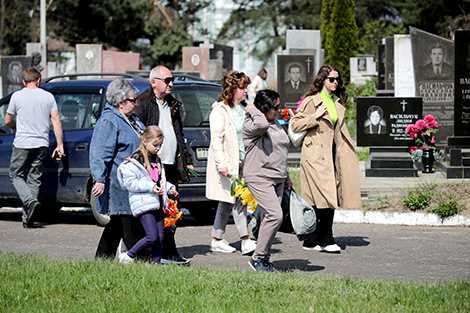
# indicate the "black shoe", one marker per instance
pixel 32 209
pixel 175 259
pixel 26 226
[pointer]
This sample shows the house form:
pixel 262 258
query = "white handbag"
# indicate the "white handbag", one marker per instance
pixel 295 138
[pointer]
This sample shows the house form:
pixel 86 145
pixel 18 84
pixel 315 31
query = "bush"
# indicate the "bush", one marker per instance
pixel 416 200
pixel 446 209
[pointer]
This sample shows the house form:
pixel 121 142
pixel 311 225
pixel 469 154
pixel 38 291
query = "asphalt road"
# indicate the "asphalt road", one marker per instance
pixel 408 253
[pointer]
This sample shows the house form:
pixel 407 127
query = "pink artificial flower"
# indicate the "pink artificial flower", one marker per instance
pixel 433 124
pixel 410 128
pixel 420 124
pixel 413 149
pixel 429 118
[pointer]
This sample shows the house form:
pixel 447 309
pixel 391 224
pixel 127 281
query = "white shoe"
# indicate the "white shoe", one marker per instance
pixel 126 259
pixel 332 248
pixel 221 246
pixel 248 246
pixel 316 248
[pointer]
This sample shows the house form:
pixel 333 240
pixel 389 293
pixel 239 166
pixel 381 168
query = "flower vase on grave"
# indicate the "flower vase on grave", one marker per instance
pixel 427 159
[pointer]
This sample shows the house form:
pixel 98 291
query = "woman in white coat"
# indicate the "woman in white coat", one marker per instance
pixel 226 154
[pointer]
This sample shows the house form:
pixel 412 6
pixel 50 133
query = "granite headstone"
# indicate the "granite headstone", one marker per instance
pixel 381 67
pixel 404 74
pixel 389 63
pixel 223 53
pixel 462 84
pixel 120 62
pixel 433 59
pixel 89 58
pixel 295 74
pixel 38 53
pixel 196 59
pixel 382 121
pixel 305 39
pixel 12 72
pixel 363 68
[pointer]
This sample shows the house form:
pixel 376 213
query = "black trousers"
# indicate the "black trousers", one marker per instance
pixel 120 226
pixel 323 234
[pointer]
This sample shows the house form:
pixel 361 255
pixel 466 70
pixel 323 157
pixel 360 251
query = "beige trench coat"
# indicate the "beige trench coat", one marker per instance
pixel 327 183
pixel 223 152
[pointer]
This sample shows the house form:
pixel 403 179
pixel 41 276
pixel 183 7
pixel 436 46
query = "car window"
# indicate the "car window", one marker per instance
pixel 4 129
pixel 78 110
pixel 197 103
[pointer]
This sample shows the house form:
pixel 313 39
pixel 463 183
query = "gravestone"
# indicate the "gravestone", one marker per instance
pixel 222 53
pixel 305 39
pixel 389 63
pixel 381 67
pixel 403 64
pixel 381 125
pixel 433 59
pixel 196 59
pixel 216 70
pixel 89 58
pixel 120 62
pixel 38 53
pixel 363 68
pixel 459 144
pixel 12 72
pixel 295 73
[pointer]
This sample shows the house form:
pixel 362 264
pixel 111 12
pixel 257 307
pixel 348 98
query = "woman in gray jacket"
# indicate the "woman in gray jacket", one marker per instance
pixel 265 171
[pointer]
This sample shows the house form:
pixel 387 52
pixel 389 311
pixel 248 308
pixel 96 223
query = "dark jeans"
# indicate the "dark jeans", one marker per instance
pixel 26 167
pixel 169 244
pixel 120 226
pixel 152 222
pixel 323 234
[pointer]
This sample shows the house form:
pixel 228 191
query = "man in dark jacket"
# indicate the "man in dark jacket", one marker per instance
pixel 156 106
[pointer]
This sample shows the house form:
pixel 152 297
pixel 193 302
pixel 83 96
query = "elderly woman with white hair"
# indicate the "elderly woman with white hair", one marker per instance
pixel 116 136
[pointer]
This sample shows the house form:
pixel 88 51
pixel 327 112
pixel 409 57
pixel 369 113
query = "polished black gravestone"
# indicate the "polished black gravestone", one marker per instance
pixel 12 72
pixel 381 67
pixel 458 145
pixel 381 125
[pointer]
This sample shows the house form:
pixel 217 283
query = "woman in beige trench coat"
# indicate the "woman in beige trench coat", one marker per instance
pixel 226 153
pixel 329 167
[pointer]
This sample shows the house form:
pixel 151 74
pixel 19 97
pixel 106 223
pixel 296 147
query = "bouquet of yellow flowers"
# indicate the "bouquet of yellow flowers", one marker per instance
pixel 239 189
pixel 172 214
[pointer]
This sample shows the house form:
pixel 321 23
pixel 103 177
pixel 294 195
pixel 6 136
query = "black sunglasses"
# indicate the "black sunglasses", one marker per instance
pixel 133 100
pixel 167 80
pixel 276 107
pixel 239 75
pixel 332 79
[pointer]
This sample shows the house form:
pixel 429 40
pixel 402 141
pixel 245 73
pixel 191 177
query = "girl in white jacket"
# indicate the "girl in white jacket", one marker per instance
pixel 143 175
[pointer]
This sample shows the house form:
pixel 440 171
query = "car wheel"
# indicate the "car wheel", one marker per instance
pixel 204 213
pixel 102 219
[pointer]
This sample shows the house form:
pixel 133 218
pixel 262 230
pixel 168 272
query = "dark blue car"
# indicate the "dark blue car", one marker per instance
pixel 80 102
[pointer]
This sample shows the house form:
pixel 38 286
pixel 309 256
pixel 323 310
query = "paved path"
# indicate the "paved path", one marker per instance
pixel 418 253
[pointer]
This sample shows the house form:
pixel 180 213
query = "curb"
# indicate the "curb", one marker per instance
pixel 395 218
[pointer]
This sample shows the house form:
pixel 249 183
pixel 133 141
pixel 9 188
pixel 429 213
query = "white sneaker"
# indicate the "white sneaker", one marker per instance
pixel 332 248
pixel 126 259
pixel 248 246
pixel 221 246
pixel 316 248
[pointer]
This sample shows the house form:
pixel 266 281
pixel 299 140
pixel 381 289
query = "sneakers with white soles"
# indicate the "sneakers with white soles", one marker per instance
pixel 248 246
pixel 316 248
pixel 126 259
pixel 332 248
pixel 221 246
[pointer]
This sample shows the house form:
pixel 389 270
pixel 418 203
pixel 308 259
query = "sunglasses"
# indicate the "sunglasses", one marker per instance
pixel 332 79
pixel 133 100
pixel 239 75
pixel 277 107
pixel 167 80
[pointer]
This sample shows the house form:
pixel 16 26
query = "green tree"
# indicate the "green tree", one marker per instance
pixel 341 37
pixel 374 31
pixel 268 21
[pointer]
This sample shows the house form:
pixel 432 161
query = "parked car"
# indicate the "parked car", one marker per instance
pixel 80 102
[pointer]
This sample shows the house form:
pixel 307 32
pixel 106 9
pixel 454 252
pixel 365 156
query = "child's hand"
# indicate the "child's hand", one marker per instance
pixel 173 192
pixel 157 190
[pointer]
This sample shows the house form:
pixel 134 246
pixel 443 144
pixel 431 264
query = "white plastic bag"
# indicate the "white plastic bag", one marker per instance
pixel 295 138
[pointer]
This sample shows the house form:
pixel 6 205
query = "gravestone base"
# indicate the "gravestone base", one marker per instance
pixel 391 162
pixel 458 150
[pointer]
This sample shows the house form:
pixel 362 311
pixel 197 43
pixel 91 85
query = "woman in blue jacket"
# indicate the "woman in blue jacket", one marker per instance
pixel 143 175
pixel 116 136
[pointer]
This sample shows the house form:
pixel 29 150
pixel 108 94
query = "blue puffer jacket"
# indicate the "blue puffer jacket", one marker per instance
pixel 134 177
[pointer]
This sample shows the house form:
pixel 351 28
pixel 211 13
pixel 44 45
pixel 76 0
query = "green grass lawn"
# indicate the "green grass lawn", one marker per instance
pixel 32 283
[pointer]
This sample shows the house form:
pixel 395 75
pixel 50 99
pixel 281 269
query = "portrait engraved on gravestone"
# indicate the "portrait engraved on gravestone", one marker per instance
pixel 295 74
pixel 12 72
pixel 382 121
pixel 361 64
pixel 223 53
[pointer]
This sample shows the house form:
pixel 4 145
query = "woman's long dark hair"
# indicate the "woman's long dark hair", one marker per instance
pixel 323 73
